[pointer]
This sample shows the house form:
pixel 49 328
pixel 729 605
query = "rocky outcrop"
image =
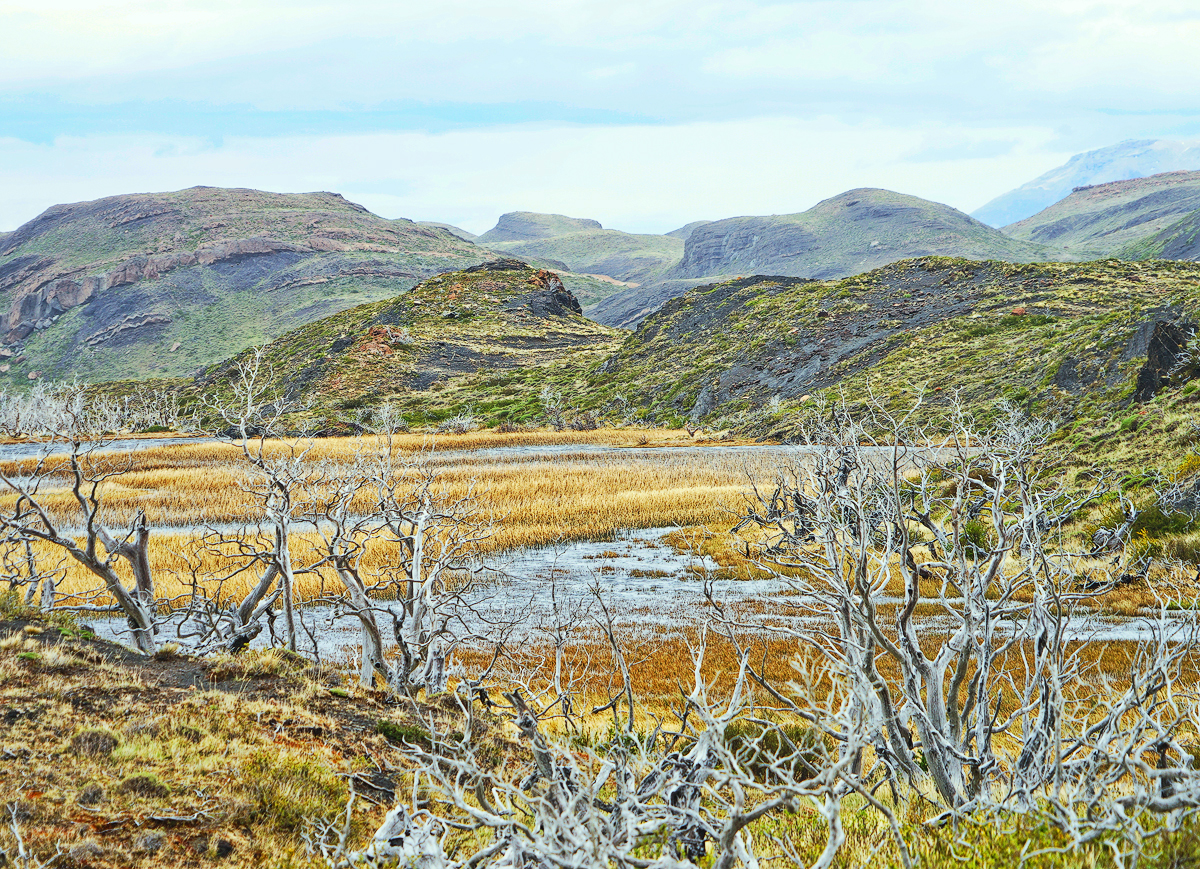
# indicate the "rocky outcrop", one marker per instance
pixel 551 298
pixel 1166 355
pixel 115 332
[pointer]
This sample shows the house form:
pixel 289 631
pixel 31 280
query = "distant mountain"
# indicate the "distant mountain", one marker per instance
pixel 1104 219
pixel 619 255
pixel 450 228
pixel 159 284
pixel 854 232
pixel 685 232
pixel 1133 159
pixel 530 225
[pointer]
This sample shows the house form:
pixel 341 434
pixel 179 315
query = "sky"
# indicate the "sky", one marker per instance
pixel 644 115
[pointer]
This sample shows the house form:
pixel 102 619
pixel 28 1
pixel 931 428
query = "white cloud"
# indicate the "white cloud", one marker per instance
pixel 638 178
pixel 751 106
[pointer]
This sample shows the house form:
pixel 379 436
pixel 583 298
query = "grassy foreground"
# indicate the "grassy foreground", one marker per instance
pixel 113 760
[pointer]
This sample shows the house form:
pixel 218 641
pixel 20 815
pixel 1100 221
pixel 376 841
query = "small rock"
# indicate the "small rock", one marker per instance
pixel 84 851
pixel 151 843
pixel 1019 312
pixel 224 848
pixel 200 845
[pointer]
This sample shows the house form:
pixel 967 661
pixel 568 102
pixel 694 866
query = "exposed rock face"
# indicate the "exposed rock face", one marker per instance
pixel 114 333
pixel 1166 353
pixel 131 270
pixel 551 297
pixel 498 265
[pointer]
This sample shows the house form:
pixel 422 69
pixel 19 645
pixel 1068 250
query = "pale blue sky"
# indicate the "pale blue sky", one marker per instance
pixel 644 115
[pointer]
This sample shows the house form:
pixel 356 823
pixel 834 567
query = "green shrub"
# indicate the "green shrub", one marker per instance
pixel 794 747
pixel 289 793
pixel 405 734
pixel 975 538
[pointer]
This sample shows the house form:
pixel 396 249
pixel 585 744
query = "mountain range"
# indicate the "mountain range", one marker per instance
pixel 164 285
pixel 1120 162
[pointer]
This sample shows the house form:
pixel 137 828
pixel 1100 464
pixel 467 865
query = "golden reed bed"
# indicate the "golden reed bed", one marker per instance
pixel 534 500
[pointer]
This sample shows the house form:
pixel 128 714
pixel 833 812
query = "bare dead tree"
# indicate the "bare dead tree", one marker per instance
pixel 252 414
pixel 964 673
pixel 69 457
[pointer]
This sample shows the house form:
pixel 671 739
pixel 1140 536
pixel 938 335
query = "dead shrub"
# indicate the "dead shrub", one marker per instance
pixel 94 743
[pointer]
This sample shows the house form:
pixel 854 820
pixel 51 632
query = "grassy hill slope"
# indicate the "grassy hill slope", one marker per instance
pixel 530 225
pixel 453 344
pixel 848 234
pixel 1180 241
pixel 160 284
pixel 1061 340
pixel 1104 219
pixel 450 228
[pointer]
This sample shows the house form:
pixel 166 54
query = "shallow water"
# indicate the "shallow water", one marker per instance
pixel 650 589
pixel 34 449
pixel 646 585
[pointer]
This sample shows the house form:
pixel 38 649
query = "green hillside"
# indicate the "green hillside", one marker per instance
pixel 450 228
pixel 530 225
pixel 1112 219
pixel 1065 341
pixel 1061 340
pixel 1180 240
pixel 161 284
pixel 455 343
pixel 849 234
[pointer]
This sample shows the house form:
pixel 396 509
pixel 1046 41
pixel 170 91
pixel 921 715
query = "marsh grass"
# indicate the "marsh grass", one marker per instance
pixel 534 499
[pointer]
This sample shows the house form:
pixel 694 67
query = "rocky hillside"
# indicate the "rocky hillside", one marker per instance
pixel 455 343
pixel 1104 219
pixel 1134 159
pixel 622 256
pixel 848 234
pixel 1179 241
pixel 1062 340
pixel 685 232
pixel 163 283
pixel 450 228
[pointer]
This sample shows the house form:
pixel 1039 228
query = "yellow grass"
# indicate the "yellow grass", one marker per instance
pixel 533 500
